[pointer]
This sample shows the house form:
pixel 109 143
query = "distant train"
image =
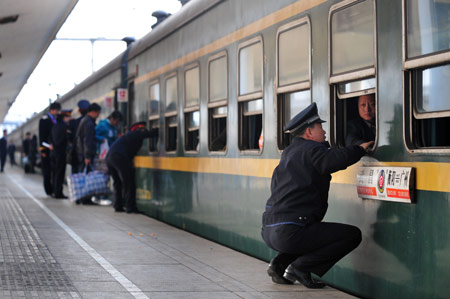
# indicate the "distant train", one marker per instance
pixel 220 80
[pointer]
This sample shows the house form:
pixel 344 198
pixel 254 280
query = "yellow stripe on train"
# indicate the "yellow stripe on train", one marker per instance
pixel 430 176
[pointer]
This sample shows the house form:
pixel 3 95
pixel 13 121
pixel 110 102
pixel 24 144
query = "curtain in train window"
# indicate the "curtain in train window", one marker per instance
pixel 353 73
pixel 192 108
pixel 218 102
pixel 153 115
pixel 250 95
pixel 427 65
pixel 293 70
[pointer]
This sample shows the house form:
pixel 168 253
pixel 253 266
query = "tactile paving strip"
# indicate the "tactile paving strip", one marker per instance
pixel 27 268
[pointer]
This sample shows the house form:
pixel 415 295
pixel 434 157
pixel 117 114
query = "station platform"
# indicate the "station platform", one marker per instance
pixel 55 249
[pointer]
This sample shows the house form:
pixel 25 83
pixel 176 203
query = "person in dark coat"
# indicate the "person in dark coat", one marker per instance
pixel 362 128
pixel 60 140
pixel 83 106
pixel 3 150
pixel 292 220
pixel 45 143
pixel 120 159
pixel 85 141
pixel 12 154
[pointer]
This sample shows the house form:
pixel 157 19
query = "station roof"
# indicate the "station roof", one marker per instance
pixel 26 30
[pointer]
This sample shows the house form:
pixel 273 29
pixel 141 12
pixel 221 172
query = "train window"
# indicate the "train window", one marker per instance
pixel 352 72
pixel 192 108
pixel 250 92
pixel 293 74
pixel 153 115
pixel 217 101
pixel 171 118
pixel 426 61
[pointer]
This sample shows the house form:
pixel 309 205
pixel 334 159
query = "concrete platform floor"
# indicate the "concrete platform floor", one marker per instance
pixel 55 249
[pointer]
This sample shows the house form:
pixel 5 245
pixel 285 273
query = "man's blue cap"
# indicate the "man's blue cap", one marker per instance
pixel 306 117
pixel 83 104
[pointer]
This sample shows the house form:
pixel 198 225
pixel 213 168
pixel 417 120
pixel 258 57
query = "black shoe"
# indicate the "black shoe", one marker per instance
pixel 119 210
pixel 132 211
pixel 61 196
pixel 276 271
pixel 304 278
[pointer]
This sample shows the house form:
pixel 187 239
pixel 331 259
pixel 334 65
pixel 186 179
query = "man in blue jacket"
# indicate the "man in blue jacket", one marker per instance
pixel 292 220
pixel 120 160
pixel 107 128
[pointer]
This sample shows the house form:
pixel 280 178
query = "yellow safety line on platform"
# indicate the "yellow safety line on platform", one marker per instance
pixel 430 176
pixel 265 22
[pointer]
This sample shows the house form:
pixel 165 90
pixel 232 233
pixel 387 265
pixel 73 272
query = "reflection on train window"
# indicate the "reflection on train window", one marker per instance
pixel 427 74
pixel 352 73
pixel 217 102
pixel 293 74
pixel 251 124
pixel 171 113
pixel 153 115
pixel 192 130
pixel 192 108
pixel 171 133
pixel 250 92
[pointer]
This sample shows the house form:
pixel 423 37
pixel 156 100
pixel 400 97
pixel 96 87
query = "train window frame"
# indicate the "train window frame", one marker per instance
pixel 155 118
pixel 168 116
pixel 245 99
pixel 413 68
pixel 338 99
pixel 215 105
pixel 191 110
pixel 281 91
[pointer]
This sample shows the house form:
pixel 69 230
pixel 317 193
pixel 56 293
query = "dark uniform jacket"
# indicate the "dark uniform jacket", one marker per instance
pixel 3 146
pixel 86 143
pixel 59 135
pixel 45 129
pixel 26 143
pixel 358 131
pixel 129 144
pixel 301 181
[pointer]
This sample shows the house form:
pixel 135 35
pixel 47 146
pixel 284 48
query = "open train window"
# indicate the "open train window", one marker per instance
pixel 153 115
pixel 217 102
pixel 250 94
pixel 426 64
pixel 171 116
pixel 352 71
pixel 192 108
pixel 293 74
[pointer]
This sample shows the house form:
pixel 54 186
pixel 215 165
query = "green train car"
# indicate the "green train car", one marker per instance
pixel 219 80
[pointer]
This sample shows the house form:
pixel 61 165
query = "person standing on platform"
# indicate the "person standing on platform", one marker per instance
pixel 83 106
pixel 120 161
pixel 85 141
pixel 106 129
pixel 292 220
pixel 45 145
pixel 3 150
pixel 26 144
pixel 12 154
pixel 60 139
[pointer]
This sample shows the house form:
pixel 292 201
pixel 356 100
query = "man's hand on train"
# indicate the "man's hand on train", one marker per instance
pixel 366 145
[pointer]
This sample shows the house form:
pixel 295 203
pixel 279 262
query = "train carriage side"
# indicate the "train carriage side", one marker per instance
pixel 195 178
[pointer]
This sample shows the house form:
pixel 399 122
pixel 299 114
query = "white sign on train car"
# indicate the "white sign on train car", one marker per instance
pixel 386 183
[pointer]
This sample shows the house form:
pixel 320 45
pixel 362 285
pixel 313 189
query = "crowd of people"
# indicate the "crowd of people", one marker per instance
pixel 87 146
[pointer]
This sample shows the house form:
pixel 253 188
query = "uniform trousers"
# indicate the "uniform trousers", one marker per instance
pixel 2 160
pixel 313 248
pixel 47 173
pixel 123 173
pixel 60 172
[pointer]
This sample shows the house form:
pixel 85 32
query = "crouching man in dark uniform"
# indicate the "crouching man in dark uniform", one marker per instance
pixel 292 221
pixel 120 161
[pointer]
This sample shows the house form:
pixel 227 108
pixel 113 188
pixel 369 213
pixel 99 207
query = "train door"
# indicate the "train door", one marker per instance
pixel 130 105
pixel 352 72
